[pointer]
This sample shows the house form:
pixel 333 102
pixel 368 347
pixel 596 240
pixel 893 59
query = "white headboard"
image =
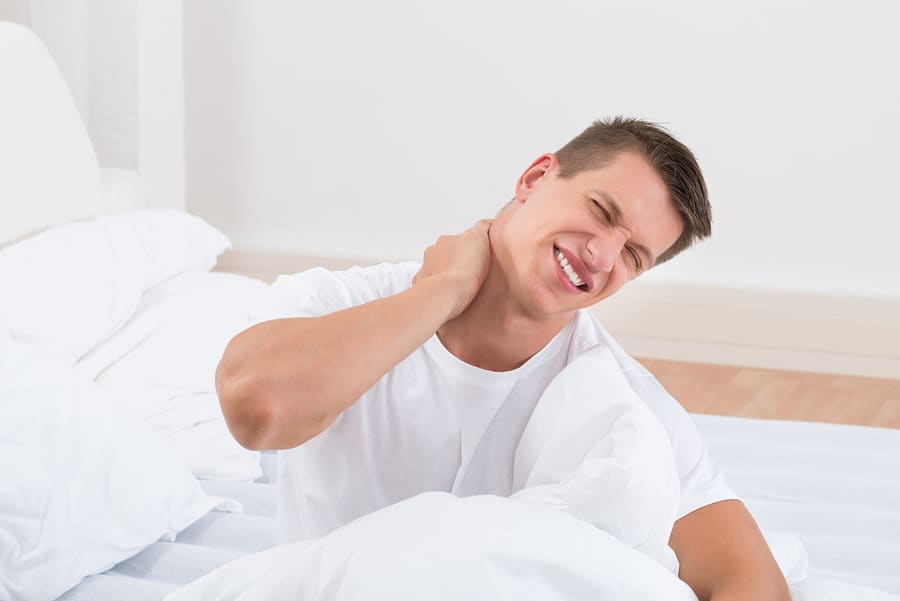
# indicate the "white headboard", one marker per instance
pixel 48 168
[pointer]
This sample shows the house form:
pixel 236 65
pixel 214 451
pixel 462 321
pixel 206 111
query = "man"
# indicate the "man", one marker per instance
pixel 393 380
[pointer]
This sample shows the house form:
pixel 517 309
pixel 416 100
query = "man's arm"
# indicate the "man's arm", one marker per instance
pixel 281 382
pixel 724 557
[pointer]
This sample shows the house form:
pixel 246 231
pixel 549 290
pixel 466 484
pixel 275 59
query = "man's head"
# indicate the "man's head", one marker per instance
pixel 673 161
pixel 621 197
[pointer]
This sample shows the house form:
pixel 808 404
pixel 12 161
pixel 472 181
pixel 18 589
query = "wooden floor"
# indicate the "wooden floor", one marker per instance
pixel 762 393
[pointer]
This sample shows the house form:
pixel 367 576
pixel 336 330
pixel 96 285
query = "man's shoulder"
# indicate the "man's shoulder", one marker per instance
pixel 318 291
pixel 379 276
pixel 379 280
pixel 384 279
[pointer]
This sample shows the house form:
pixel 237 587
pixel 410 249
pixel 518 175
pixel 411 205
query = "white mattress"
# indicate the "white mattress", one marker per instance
pixel 215 539
pixel 836 487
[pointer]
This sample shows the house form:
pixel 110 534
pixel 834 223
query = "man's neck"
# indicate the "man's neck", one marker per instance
pixel 495 334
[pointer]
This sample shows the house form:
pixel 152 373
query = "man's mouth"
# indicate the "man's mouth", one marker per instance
pixel 569 271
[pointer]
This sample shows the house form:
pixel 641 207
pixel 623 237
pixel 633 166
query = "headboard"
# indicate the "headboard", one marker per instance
pixel 48 168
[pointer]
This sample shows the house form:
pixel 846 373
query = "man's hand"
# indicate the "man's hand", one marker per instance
pixel 461 262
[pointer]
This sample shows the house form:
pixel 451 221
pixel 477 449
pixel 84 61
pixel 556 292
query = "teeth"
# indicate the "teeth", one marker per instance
pixel 567 269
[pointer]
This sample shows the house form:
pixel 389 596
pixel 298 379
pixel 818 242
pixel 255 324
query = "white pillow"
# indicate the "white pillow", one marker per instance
pixel 73 285
pixel 84 486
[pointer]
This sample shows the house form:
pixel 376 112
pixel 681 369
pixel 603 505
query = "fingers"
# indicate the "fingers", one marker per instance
pixel 460 261
pixel 482 225
pixel 478 230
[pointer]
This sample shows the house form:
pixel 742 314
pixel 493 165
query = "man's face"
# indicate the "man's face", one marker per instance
pixel 565 244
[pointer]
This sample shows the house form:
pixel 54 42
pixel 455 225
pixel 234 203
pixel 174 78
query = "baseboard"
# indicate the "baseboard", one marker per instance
pixel 773 329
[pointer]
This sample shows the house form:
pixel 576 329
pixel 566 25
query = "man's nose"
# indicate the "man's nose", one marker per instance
pixel 604 249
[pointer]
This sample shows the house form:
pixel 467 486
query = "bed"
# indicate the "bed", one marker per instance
pixel 121 480
pixel 835 488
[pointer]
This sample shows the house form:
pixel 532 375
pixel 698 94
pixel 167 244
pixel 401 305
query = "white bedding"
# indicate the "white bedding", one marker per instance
pixel 834 510
pixel 180 328
pixel 835 487
pixel 592 449
pixel 69 288
pixel 129 302
pixel 596 495
pixel 110 331
pixel 221 537
pixel 84 485
pixel 444 548
pixel 585 503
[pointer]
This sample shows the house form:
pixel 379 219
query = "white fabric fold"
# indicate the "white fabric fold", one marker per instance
pixel 72 286
pixel 84 485
pixel 594 450
pixel 444 548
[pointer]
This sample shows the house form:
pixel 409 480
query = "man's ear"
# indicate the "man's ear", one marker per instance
pixel 540 167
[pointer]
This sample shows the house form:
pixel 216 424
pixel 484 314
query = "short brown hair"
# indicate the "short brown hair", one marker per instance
pixel 672 160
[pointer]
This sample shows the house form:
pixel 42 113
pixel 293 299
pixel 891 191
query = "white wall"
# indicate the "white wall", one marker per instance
pixel 365 129
pixel 123 63
pixel 160 100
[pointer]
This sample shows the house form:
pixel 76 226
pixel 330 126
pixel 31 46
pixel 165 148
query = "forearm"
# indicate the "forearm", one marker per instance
pixel 282 382
pixel 750 575
pixel 724 556
pixel 760 586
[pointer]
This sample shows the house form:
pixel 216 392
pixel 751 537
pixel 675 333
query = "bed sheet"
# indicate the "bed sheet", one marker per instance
pixel 215 539
pixel 836 487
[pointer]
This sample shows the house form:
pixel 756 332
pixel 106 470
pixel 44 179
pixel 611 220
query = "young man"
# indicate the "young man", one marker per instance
pixel 393 380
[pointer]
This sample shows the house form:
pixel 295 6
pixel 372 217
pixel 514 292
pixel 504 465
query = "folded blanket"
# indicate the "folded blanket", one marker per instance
pixel 594 450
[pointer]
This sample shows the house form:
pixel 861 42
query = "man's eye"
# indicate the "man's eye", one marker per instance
pixel 635 259
pixel 606 216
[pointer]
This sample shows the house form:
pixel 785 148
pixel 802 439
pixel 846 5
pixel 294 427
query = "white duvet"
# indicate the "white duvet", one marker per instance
pixel 128 302
pixel 83 485
pixel 590 519
pixel 596 500
pixel 443 548
pixel 439 547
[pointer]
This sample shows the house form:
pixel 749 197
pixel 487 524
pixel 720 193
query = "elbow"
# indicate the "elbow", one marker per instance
pixel 258 424
pixel 252 429
pixel 259 413
pixel 247 416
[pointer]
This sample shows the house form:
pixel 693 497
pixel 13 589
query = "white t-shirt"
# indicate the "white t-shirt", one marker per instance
pixel 436 423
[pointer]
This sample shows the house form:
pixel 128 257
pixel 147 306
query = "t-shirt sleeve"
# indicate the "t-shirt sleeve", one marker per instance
pixel 318 291
pixel 702 481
